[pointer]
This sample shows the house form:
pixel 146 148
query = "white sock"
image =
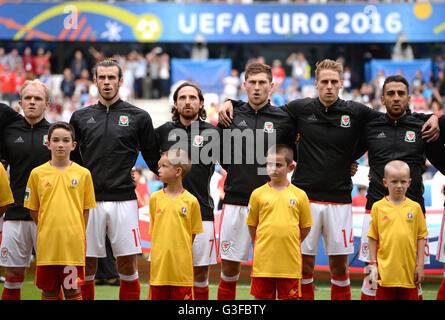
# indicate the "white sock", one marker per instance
pixel 131 277
pixel 229 279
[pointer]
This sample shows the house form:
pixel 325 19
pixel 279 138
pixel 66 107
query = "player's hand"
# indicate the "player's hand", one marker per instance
pixel 373 275
pixel 354 168
pixel 418 275
pixel 430 130
pixel 225 114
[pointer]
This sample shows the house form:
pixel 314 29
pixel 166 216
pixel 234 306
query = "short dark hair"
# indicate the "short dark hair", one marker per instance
pixel 202 112
pixel 395 78
pixel 108 63
pixel 255 68
pixel 61 125
pixel 283 150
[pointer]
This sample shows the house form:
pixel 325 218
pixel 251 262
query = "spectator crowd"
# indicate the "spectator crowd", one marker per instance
pixel 146 75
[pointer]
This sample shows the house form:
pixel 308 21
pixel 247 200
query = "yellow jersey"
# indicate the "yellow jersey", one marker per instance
pixel 172 224
pixel 60 197
pixel 6 196
pixel 278 217
pixel 397 229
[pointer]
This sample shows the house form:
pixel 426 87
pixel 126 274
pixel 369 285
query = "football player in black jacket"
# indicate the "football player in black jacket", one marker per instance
pixel 109 136
pixel 24 148
pixel 395 135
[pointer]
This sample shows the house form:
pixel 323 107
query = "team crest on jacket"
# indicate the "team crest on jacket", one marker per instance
pixel 410 136
pixel 345 121
pixel 268 127
pixel 198 141
pixel 124 121
pixel 45 140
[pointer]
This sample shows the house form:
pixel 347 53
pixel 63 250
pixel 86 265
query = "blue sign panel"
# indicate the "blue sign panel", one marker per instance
pixel 168 22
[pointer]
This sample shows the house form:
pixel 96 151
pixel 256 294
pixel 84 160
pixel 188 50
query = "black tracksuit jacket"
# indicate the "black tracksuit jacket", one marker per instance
pixel 325 151
pixel 23 148
pixel 108 144
pixel 195 139
pixel 387 139
pixel 242 158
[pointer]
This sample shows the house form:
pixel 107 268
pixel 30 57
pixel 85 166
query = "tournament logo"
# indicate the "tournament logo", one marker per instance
pixel 345 121
pixel 225 246
pixel 45 140
pixel 198 141
pixel 184 210
pixel 4 252
pixel 124 121
pixel 409 215
pixel 73 184
pixel 268 127
pixel 292 202
pixel 410 136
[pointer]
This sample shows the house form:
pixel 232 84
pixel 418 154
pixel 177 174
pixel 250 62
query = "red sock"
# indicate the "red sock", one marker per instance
pixel 87 289
pixel 227 290
pixel 130 290
pixel 201 293
pixel 441 292
pixel 12 288
pixel 340 287
pixel 307 287
pixel 364 296
pixel 60 297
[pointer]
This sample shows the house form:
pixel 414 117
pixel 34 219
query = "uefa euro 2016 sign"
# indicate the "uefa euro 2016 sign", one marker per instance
pixel 168 22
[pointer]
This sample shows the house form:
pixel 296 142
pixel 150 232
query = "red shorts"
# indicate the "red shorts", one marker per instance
pixel 50 278
pixel 170 293
pixel 268 288
pixel 396 293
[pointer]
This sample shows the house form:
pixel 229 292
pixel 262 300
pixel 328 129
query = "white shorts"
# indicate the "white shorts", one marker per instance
pixel 334 222
pixel 234 236
pixel 120 221
pixel 440 254
pixel 364 250
pixel 18 239
pixel 204 246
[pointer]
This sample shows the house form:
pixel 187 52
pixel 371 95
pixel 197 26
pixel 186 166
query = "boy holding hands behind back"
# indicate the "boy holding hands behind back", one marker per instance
pixel 59 195
pixel 279 219
pixel 175 219
pixel 398 229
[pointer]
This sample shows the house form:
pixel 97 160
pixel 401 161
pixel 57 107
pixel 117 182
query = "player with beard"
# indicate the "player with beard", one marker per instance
pixel 395 135
pixel 189 131
pixel 109 136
